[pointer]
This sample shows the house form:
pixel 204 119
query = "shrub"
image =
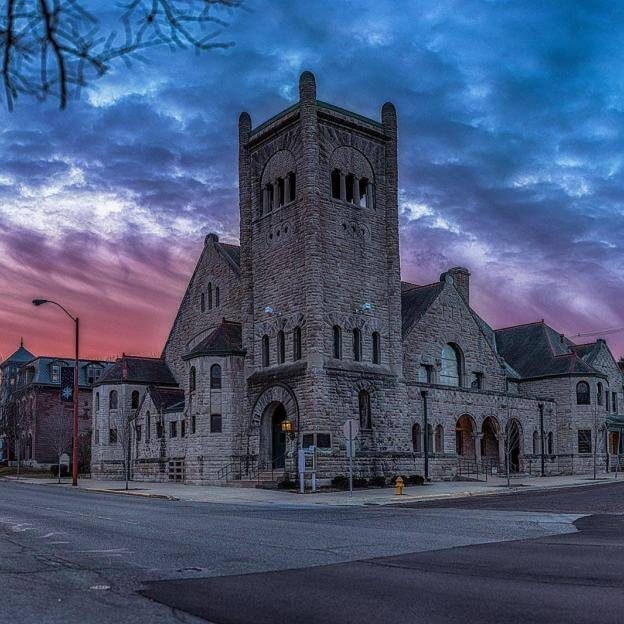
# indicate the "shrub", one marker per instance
pixel 341 482
pixel 416 479
pixel 286 484
pixel 360 482
pixel 378 481
pixel 64 470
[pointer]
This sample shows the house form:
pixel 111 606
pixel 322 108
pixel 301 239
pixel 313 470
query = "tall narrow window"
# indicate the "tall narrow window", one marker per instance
pixel 582 393
pixel 584 441
pixel 335 184
pixel 416 438
pixel 599 393
pixel 134 400
pixel 439 439
pixel 365 410
pixel 536 448
pixel 297 343
pixel 357 345
pixel 292 179
pixel 192 379
pixel 607 401
pixel 281 347
pixel 270 197
pixel 451 369
pixel 148 426
pixel 265 350
pixel 217 297
pixel 337 342
pixel 112 400
pixel 202 302
pixel 210 296
pixel 350 181
pixel 215 377
pixel 376 348
pixel 614 403
pixel 364 187
pixel 97 401
pixel 280 192
pixel 430 440
pixel 550 443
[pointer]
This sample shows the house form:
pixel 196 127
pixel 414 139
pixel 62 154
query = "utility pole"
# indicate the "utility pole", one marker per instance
pixel 541 411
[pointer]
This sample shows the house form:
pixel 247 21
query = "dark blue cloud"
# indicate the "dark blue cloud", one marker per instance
pixel 511 130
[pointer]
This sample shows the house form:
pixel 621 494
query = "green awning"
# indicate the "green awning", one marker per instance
pixel 615 423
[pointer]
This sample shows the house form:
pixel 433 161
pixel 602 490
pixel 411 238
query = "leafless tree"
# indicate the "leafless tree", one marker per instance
pixel 61 434
pixel 17 424
pixel 57 47
pixel 124 424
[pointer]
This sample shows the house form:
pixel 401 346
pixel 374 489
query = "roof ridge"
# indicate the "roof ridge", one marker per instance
pixel 540 322
pixel 416 286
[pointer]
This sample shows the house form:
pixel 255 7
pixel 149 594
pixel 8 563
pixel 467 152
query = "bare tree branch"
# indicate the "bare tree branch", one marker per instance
pixel 57 47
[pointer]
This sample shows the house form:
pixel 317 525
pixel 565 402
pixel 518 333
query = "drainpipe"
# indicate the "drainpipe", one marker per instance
pixel 423 394
pixel 541 417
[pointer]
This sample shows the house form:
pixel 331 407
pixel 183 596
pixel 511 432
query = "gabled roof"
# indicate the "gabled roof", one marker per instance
pixel 537 350
pixel 415 301
pixel 141 370
pixel 42 369
pixel 226 339
pixel 19 357
pixel 165 398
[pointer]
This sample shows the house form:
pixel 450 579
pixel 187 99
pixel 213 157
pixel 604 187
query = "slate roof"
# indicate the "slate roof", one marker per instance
pixel 537 350
pixel 41 368
pixel 226 339
pixel 233 251
pixel 167 399
pixel 142 370
pixel 415 301
pixel 20 356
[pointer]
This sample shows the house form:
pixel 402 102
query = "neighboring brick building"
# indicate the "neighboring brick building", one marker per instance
pixel 33 414
pixel 308 323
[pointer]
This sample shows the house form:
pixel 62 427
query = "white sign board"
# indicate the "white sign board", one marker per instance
pixel 64 459
pixel 355 428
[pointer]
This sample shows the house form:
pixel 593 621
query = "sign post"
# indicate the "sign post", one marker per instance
pixel 301 469
pixel 351 429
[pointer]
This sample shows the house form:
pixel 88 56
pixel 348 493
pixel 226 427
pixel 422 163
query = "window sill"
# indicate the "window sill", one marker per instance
pixel 264 215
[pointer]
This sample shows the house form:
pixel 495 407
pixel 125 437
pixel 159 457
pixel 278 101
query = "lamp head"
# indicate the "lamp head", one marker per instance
pixel 38 302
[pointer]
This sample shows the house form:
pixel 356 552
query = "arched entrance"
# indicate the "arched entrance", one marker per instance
pixel 489 442
pixel 272 438
pixel 513 445
pixel 464 437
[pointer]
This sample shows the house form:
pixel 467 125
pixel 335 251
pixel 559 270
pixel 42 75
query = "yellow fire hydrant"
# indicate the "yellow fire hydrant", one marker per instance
pixel 398 486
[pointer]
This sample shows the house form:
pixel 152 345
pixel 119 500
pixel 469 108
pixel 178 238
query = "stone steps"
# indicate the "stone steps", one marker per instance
pixel 267 480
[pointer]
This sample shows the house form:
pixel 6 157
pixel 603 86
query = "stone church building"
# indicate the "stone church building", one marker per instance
pixel 278 342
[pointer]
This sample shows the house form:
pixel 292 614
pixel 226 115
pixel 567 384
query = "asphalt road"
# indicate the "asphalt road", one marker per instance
pixel 74 556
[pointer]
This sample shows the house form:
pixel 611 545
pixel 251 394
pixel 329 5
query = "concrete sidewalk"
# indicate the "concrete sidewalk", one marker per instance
pixel 379 496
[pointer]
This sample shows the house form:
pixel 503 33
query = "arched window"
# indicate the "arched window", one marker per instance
pixel 582 393
pixel 365 410
pixel 202 302
pixel 439 439
pixel 134 399
pixel 217 297
pixel 337 350
pixel 265 350
pixel 376 348
pixel 297 343
pixel 97 401
pixel 215 377
pixel 451 369
pixel 270 197
pixel 192 379
pixel 365 188
pixel 599 393
pixel 210 296
pixel 335 183
pixel 280 192
pixel 357 345
pixel 112 400
pixel 281 347
pixel 550 443
pixel 536 448
pixel 416 446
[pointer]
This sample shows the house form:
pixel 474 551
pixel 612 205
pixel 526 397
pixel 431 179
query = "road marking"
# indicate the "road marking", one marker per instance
pixel 53 533
pixel 100 587
pixel 106 551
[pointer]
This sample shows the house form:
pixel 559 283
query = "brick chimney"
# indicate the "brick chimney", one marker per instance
pixel 461 279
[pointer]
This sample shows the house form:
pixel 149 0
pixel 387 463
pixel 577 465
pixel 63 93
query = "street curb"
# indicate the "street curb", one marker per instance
pixel 130 493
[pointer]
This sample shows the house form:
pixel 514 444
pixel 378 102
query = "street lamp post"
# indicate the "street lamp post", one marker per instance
pixel 38 302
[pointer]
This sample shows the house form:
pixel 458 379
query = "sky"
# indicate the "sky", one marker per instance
pixel 511 130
